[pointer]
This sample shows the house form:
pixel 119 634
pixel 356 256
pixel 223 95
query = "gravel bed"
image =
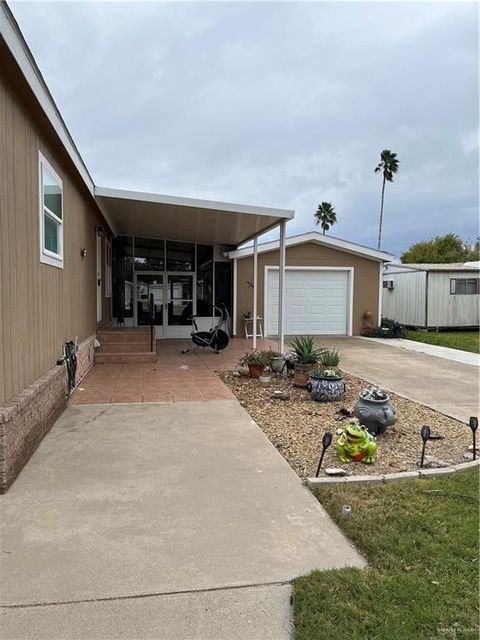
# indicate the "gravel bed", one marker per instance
pixel 296 426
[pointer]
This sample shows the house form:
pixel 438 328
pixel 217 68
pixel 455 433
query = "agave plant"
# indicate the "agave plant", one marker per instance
pixel 330 358
pixel 305 350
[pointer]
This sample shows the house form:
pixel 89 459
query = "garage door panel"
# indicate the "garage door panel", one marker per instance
pixel 316 302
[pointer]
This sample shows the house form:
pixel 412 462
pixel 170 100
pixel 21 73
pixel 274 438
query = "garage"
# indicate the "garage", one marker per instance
pixel 316 301
pixel 329 284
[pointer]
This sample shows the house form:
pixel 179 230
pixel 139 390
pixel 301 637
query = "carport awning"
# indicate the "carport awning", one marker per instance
pixel 185 219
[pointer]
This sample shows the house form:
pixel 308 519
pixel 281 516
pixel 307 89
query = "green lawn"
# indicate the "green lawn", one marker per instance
pixel 422 550
pixel 464 340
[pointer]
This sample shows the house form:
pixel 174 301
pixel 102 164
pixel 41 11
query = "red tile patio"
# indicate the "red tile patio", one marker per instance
pixel 175 377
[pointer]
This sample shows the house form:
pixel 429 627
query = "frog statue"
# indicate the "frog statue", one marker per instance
pixel 355 444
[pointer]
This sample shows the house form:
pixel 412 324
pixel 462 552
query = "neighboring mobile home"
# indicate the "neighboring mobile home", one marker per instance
pixel 432 296
pixel 76 259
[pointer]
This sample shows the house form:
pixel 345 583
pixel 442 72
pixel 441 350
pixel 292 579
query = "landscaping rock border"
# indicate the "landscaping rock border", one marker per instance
pixel 312 483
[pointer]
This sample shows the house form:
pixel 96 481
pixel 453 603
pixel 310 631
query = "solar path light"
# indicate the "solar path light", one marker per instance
pixel 425 435
pixel 473 422
pixel 326 442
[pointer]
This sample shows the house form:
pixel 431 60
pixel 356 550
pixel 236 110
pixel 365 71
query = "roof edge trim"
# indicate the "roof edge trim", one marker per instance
pixel 314 236
pixel 157 198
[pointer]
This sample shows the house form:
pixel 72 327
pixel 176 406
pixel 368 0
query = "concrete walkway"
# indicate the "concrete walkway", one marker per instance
pixel 444 385
pixel 169 520
pixel 456 355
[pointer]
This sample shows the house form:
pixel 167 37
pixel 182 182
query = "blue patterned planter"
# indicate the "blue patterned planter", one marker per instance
pixel 325 389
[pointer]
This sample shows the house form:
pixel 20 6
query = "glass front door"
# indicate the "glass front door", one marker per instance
pixel 165 300
pixel 149 301
pixel 179 298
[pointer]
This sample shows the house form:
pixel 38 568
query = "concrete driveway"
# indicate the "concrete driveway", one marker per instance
pixel 174 520
pixel 440 383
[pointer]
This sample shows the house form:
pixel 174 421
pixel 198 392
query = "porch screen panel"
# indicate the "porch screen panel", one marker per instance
pixel 122 277
pixel 223 285
pixel 204 280
pixel 180 256
pixel 149 254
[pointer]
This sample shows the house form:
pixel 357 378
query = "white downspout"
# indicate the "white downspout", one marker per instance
pixel 281 281
pixel 235 302
pixel 255 277
pixel 380 294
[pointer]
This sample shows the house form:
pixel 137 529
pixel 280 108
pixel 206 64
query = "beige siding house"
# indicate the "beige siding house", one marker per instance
pixel 76 258
pixel 79 263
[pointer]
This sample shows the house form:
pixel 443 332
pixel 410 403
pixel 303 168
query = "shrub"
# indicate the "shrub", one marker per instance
pixel 389 329
pixel 255 358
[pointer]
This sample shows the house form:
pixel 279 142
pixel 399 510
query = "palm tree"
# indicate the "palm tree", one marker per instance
pixel 388 165
pixel 325 216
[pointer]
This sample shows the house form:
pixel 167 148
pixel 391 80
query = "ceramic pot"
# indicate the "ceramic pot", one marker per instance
pixel 325 389
pixel 255 370
pixel 277 364
pixel 375 415
pixel 301 374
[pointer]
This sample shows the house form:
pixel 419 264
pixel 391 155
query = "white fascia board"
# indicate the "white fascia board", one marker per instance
pixel 390 269
pixel 15 42
pixel 313 236
pixel 443 267
pixel 224 207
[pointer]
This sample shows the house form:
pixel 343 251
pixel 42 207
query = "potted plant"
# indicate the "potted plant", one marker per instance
pixel 326 385
pixel 274 360
pixel 247 315
pixel 329 359
pixel 307 356
pixel 374 411
pixel 255 361
pixel 266 376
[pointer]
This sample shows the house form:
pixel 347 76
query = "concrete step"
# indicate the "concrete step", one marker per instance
pixel 123 335
pixel 123 358
pixel 124 347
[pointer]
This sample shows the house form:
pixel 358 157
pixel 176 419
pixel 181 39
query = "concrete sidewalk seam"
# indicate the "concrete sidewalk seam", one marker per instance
pixel 158 594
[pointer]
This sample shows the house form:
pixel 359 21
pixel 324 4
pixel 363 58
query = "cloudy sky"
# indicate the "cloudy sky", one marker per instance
pixel 281 104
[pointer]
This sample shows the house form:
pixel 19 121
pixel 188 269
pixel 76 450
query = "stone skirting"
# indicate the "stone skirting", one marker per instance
pixel 85 357
pixel 26 419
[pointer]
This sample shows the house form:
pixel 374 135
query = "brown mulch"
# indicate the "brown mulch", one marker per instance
pixel 296 426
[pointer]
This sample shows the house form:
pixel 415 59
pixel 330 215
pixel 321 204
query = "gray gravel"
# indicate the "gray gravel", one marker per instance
pixel 296 426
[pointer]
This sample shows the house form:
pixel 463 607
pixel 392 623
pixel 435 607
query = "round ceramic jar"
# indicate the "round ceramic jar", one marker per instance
pixel 325 389
pixel 277 364
pixel 375 415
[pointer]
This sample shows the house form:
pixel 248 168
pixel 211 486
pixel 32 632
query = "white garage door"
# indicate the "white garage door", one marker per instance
pixel 316 302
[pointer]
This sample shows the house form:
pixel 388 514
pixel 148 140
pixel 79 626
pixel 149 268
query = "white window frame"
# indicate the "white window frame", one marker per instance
pixel 454 286
pixel 46 256
pixel 108 268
